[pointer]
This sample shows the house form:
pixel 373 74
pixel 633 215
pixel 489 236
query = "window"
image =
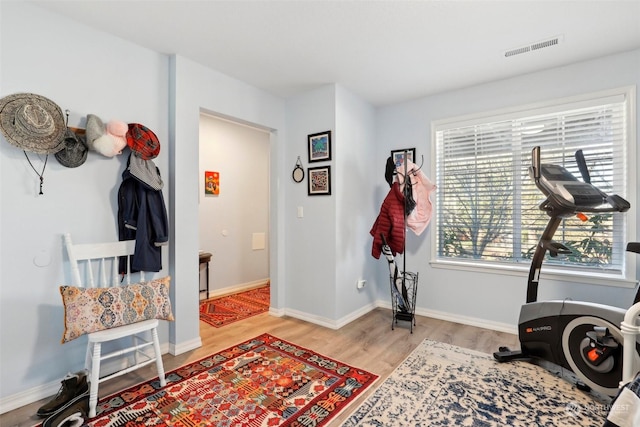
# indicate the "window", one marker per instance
pixel 487 205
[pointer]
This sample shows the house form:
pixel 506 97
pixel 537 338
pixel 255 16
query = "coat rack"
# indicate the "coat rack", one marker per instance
pixel 404 284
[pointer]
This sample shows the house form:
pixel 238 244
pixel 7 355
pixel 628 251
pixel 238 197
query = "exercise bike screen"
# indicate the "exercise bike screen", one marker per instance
pixel 557 173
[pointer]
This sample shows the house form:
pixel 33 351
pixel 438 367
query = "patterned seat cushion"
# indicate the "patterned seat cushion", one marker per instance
pixel 88 310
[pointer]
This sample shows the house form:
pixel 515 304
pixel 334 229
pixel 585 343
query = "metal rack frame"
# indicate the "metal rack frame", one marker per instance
pixel 408 280
pixel 409 291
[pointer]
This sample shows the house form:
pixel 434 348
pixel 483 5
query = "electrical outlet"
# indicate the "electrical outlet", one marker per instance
pixel 361 283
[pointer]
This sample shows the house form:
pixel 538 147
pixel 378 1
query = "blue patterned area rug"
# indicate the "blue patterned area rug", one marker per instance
pixel 443 385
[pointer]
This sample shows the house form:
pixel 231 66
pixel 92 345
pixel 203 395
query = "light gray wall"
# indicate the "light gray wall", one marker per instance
pixel 328 249
pixel 489 297
pixel 165 93
pixel 61 60
pixel 196 89
pixel 313 260
pixel 310 240
pixel 228 220
pixel 356 176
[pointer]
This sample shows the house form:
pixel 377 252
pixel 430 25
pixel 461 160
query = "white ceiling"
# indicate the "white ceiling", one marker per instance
pixel 384 51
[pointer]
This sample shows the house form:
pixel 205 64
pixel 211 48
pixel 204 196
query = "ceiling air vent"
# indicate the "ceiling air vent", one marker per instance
pixel 534 46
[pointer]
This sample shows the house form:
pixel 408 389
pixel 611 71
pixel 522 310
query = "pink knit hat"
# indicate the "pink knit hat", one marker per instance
pixel 118 130
pixel 107 140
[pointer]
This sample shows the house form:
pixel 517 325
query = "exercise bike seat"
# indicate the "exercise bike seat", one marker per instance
pixel 633 247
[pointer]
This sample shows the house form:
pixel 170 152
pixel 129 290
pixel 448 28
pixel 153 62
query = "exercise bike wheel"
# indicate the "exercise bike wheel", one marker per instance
pixel 604 378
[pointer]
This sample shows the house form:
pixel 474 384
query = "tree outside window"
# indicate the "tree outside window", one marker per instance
pixel 487 205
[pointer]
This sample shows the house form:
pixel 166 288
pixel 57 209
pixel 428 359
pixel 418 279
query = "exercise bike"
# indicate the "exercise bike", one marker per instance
pixel 583 337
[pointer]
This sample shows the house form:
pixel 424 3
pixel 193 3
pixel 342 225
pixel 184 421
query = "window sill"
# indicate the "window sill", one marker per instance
pixel 592 278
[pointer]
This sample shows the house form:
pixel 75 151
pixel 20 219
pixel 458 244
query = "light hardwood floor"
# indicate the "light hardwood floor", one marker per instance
pixel 368 343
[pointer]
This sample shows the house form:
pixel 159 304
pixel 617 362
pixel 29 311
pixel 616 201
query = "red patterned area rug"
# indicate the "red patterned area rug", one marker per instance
pixel 221 311
pixel 264 381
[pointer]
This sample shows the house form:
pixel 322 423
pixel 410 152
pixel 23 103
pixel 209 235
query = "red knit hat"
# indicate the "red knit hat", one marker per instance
pixel 142 141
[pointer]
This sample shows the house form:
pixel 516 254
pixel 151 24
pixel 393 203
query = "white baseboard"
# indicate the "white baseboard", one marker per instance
pixel 312 318
pixel 50 389
pixel 456 318
pixel 471 321
pixel 237 288
pixel 355 315
pixel 337 324
pixel 323 321
pixel 27 397
pixel 183 347
pixel 276 312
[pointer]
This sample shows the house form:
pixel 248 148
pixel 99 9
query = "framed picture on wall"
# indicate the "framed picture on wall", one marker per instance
pixel 319 146
pixel 398 156
pixel 319 180
pixel 211 183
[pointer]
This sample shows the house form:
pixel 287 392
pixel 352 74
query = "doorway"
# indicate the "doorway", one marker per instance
pixel 233 214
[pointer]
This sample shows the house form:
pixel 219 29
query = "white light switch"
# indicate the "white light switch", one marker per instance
pixel 300 212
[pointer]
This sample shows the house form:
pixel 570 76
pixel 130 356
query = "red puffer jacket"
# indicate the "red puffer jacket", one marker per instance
pixel 390 222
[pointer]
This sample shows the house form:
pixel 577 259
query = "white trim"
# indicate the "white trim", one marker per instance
pixel 457 318
pixel 626 278
pixel 237 288
pixel 630 263
pixel 537 108
pixel 434 314
pixel 548 272
pixel 27 397
pixel 329 323
pixel 183 347
pixel 345 320
pixel 311 318
pixel 276 312
pixel 471 321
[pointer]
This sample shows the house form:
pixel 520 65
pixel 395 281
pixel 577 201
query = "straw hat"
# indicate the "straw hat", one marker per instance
pixel 32 122
pixel 75 151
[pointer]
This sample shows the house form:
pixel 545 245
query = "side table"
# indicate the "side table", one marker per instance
pixel 205 258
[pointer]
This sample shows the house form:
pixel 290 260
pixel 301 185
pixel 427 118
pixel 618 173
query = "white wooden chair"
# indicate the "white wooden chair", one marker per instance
pixel 100 257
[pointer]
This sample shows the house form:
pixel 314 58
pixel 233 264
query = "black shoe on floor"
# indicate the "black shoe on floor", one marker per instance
pixel 71 415
pixel 73 385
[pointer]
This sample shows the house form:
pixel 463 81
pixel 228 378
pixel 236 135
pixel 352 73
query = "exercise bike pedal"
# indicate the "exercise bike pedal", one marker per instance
pixel 582 386
pixel 506 355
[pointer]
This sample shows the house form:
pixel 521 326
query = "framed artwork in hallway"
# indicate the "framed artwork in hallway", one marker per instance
pixel 319 146
pixel 319 180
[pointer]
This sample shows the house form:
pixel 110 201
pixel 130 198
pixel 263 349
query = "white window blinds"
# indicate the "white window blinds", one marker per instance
pixel 487 206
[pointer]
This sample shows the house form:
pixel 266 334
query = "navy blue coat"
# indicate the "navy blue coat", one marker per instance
pixel 142 215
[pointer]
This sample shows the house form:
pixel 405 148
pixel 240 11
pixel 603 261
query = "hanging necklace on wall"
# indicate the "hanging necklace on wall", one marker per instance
pixel 40 174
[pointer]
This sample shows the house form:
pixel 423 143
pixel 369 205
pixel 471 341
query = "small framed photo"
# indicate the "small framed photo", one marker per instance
pixel 398 156
pixel 319 146
pixel 319 180
pixel 212 183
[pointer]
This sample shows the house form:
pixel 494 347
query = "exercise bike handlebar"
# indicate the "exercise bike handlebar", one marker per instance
pixel 566 196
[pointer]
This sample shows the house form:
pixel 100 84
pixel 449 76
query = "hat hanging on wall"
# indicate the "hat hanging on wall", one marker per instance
pixel 107 140
pixel 32 122
pixel 143 142
pixel 75 150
